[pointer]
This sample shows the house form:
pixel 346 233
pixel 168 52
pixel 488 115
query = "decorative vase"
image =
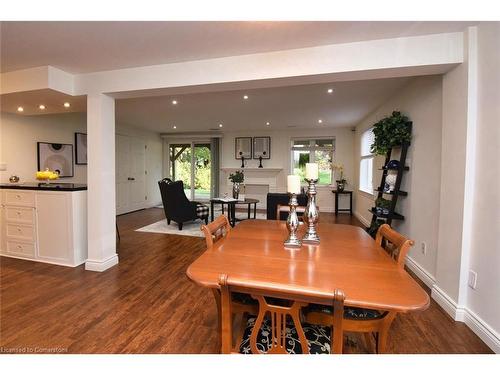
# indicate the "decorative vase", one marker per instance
pixel 340 186
pixel 236 190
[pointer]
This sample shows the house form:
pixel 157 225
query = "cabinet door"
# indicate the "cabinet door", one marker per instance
pixel 53 214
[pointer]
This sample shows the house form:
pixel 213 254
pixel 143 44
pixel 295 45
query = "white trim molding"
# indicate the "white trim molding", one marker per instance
pixel 361 218
pixel 421 272
pixel 462 314
pixel 101 266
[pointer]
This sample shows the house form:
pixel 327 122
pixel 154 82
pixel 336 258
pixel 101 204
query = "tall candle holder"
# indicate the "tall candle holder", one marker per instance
pixel 311 214
pixel 292 224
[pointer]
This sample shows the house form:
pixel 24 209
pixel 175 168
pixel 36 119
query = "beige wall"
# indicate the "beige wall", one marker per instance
pixel 421 101
pixel 19 135
pixel 281 157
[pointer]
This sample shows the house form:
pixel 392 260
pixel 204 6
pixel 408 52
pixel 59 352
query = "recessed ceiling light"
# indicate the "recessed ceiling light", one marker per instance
pixel 320 121
pixel 175 127
pixel 20 109
pixel 268 123
pixel 245 97
pixel 67 105
pixel 174 102
pixel 41 106
pixel 329 91
pixel 220 125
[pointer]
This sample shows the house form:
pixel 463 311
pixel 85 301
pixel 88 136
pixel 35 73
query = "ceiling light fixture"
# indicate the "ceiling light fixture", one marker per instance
pixel 175 127
pixel 329 91
pixel 268 123
pixel 20 109
pixel 41 106
pixel 67 105
pixel 245 97
pixel 220 125
pixel 174 102
pixel 320 121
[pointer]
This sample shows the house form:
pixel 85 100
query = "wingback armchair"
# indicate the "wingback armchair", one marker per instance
pixel 177 206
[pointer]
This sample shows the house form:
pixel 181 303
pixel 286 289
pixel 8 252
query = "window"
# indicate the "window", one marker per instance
pixel 313 151
pixel 366 162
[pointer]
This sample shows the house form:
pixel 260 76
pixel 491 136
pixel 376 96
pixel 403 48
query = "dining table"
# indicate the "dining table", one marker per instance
pixel 347 258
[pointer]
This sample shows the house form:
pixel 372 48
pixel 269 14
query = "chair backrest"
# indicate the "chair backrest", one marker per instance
pixel 394 243
pixel 172 195
pixel 217 229
pixel 278 317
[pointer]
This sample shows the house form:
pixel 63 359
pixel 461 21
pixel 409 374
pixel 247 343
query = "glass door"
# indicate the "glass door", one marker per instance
pixel 191 163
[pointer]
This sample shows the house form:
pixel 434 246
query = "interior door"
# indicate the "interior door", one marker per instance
pixel 130 174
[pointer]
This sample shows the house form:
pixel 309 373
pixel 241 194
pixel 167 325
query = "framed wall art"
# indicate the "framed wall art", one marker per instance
pixel 262 147
pixel 243 147
pixel 80 148
pixel 57 157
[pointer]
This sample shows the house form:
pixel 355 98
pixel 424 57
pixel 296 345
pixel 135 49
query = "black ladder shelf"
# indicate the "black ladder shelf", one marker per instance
pixel 378 218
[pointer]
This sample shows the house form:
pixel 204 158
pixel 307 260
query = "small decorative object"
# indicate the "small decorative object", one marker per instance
pixel 393 164
pixel 260 161
pixel 47 175
pixel 292 222
pixel 14 179
pixel 56 157
pixel 242 160
pixel 262 148
pixel 341 182
pixel 389 132
pixel 243 148
pixel 311 214
pixel 382 206
pixel 81 148
pixel 390 181
pixel 236 178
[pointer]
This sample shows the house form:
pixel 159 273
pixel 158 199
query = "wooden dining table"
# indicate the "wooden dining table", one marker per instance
pixel 347 258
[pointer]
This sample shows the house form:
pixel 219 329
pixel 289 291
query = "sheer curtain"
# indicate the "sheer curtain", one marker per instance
pixel 215 169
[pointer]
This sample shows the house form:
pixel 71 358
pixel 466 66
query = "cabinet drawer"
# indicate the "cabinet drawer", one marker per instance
pixel 19 198
pixel 21 248
pixel 20 231
pixel 19 214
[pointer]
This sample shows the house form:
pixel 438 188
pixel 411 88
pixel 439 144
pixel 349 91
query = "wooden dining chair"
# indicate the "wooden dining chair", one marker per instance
pixel 217 229
pixel 367 320
pixel 277 329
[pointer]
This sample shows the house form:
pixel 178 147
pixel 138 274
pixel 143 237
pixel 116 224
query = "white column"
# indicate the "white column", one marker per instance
pixel 101 183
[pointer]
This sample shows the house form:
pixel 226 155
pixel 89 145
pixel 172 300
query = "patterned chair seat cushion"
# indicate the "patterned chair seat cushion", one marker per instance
pixel 202 210
pixel 318 338
pixel 353 313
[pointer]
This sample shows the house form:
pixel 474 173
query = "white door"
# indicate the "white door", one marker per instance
pixel 130 174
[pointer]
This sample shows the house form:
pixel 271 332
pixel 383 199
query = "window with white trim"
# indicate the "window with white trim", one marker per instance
pixel 366 162
pixel 317 150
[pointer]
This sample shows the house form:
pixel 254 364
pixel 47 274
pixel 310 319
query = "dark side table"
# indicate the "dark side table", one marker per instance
pixel 337 209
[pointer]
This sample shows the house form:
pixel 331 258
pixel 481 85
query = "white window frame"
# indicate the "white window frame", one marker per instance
pixel 368 156
pixel 312 147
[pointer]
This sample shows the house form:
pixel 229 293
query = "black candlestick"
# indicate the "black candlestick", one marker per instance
pixel 260 162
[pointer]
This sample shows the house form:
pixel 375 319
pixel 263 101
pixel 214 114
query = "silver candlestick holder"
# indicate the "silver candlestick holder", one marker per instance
pixel 292 224
pixel 311 214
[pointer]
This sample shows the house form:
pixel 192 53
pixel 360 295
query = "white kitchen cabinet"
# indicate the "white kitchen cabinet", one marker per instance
pixel 44 225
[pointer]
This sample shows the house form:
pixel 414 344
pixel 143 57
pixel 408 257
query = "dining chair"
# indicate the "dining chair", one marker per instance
pixel 367 320
pixel 277 328
pixel 217 229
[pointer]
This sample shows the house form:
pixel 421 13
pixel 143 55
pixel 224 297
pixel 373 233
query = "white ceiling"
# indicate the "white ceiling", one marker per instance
pixel 284 107
pixel 51 99
pixel 80 47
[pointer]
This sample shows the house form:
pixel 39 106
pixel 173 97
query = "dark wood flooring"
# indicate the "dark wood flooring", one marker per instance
pixel 146 304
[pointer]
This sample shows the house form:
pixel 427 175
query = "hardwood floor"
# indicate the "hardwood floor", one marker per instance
pixel 146 304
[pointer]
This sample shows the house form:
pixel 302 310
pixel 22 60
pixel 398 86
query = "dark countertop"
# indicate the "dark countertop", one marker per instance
pixel 53 186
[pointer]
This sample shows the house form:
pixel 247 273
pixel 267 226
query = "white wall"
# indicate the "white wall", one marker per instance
pixel 484 301
pixel 421 101
pixel 281 155
pixel 19 135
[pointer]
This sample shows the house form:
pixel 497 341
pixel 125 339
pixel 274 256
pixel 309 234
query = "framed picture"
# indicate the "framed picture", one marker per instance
pixel 243 147
pixel 81 148
pixel 57 157
pixel 262 147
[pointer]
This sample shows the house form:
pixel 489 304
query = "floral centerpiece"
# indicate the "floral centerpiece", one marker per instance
pixel 47 175
pixel 341 182
pixel 236 178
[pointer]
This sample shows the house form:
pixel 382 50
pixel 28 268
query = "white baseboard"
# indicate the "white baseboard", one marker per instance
pixel 421 272
pixel 362 219
pixel 462 314
pixel 100 266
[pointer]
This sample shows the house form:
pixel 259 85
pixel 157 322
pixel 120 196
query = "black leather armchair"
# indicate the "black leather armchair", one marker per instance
pixel 177 206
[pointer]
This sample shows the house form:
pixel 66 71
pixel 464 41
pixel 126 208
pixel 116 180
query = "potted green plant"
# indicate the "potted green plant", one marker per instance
pixel 389 132
pixel 236 178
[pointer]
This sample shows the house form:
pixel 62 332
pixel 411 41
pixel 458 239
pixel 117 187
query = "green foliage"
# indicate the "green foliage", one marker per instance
pixel 383 203
pixel 389 132
pixel 237 176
